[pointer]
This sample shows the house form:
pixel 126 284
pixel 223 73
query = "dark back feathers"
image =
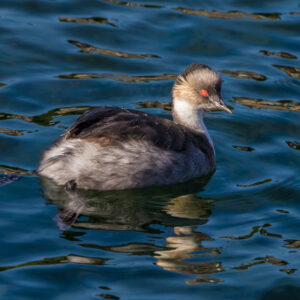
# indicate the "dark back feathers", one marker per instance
pixel 118 125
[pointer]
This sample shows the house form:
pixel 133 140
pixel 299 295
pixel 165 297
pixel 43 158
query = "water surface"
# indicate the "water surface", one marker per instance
pixel 236 236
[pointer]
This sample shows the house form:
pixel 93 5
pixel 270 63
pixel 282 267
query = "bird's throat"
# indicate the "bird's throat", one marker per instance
pixel 185 114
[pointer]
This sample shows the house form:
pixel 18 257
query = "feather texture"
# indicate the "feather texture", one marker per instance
pixel 114 148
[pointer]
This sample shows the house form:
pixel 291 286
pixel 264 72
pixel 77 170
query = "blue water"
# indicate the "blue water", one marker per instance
pixel 235 237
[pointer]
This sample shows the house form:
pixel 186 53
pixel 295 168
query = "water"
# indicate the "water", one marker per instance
pixel 238 236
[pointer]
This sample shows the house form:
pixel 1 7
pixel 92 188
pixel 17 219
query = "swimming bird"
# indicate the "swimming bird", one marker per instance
pixel 113 148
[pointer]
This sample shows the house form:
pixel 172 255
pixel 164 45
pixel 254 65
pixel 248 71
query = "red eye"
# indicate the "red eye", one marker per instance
pixel 204 93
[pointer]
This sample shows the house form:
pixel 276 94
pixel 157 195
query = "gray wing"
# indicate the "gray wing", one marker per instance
pixel 114 125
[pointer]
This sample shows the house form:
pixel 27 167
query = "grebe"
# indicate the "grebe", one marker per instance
pixel 112 148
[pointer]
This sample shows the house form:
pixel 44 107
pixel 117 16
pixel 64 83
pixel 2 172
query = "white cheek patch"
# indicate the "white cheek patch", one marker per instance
pixel 186 112
pixel 190 116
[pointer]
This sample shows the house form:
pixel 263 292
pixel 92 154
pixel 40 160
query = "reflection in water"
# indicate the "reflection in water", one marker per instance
pixel 233 15
pixel 294 145
pixel 15 171
pixel 130 248
pixel 243 148
pixel 138 210
pixel 261 260
pixel 281 54
pixel 290 71
pixel 12 132
pixel 130 209
pixel 86 48
pixel 255 183
pixel 288 271
pixel 203 279
pixel 46 118
pixel 267 104
pixel 92 20
pixel 269 234
pixel 177 265
pixel 184 245
pixel 245 75
pixel 120 77
pixel 292 244
pixel 6 179
pixel 283 211
pixel 132 4
pixel 59 260
pixel 272 260
pixel 188 206
pixel 9 174
pixel 255 230
pixel 108 296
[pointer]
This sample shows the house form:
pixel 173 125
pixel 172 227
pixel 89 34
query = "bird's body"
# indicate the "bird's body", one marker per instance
pixel 111 148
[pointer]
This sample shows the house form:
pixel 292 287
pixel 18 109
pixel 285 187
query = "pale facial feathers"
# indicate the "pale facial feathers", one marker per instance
pixel 196 80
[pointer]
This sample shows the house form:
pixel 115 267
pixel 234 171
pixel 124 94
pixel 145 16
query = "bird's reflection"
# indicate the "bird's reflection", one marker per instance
pixel 176 206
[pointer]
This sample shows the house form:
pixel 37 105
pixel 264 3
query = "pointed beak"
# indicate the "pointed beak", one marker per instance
pixel 221 105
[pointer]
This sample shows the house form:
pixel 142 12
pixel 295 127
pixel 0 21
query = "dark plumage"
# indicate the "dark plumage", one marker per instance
pixel 114 125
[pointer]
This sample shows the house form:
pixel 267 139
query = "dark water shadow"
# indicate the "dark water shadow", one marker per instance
pixel 130 209
pixel 282 289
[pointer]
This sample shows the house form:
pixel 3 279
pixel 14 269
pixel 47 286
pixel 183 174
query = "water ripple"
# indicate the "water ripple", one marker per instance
pixel 91 20
pixel 290 71
pixel 132 4
pixel 233 15
pixel 245 75
pixel 120 77
pixel 280 54
pixel 288 105
pixel 86 48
